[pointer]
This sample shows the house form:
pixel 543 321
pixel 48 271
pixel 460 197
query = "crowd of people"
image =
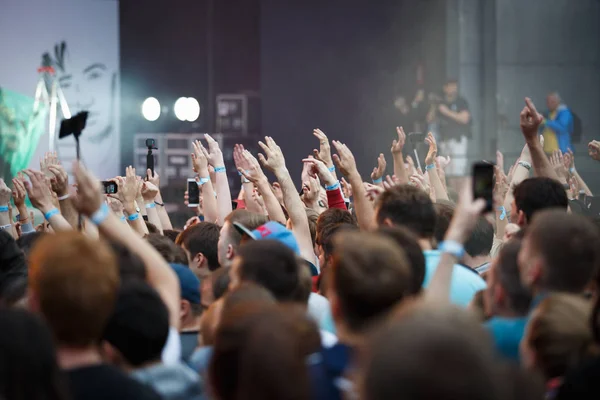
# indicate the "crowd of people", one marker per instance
pixel 347 289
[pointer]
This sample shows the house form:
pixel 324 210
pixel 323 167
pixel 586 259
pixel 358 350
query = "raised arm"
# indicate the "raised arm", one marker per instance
pixel 273 160
pixel 128 189
pixel 255 174
pixel 40 196
pixel 19 196
pixel 347 166
pixel 5 222
pixel 430 159
pixel 60 186
pixel 200 165
pixel 569 161
pixel 149 192
pixel 165 221
pixel 324 152
pixel 379 171
pixel 397 146
pixel 215 158
pixel 161 277
pixel 530 123
pixel 247 186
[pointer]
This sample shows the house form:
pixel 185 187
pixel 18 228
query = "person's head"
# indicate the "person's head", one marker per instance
pixel 553 100
pixel 11 256
pixel 171 234
pixel 481 240
pixel 230 238
pixel 167 249
pixel 130 264
pixel 536 194
pixel 558 335
pixel 370 274
pixel 152 229
pixel 334 216
pixel 560 252
pixel 28 364
pixel 312 216
pixel 138 328
pixel 325 241
pixel 268 263
pixel 443 215
pixel 26 242
pixel 407 241
pixel 431 352
pixel 252 359
pixel 73 283
pixel 506 293
pixel 451 89
pixel 200 243
pixel 13 288
pixel 220 282
pixel 190 309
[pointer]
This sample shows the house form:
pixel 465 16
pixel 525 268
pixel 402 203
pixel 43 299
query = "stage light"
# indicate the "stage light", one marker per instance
pixel 181 108
pixel 151 109
pixel 193 109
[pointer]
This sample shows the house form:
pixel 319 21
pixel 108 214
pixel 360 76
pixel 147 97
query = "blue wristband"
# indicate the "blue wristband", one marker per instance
pixel 133 217
pixel 453 248
pixel 51 213
pixel 220 169
pixel 430 166
pixel 376 181
pixel 502 210
pixel 150 205
pixel 3 208
pixel 334 186
pixel 202 181
pixel 100 216
pixel 331 169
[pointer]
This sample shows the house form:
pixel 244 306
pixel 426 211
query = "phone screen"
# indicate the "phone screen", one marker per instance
pixel 193 193
pixel 483 183
pixel 109 187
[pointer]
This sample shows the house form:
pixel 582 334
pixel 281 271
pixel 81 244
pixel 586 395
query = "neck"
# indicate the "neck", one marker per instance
pixel 425 244
pixel 347 337
pixel 77 357
pixel 191 324
pixel 474 262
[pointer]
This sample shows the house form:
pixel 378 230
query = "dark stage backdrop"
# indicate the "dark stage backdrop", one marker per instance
pixel 338 65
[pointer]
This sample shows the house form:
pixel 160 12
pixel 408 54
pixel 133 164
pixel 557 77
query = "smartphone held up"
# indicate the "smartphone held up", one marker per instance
pixel 483 184
pixel 109 187
pixel 193 193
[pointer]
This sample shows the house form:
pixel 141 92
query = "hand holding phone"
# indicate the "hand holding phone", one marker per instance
pixel 193 193
pixel 109 187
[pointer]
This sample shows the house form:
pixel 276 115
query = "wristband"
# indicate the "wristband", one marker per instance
pixel 150 205
pixel 202 181
pixel 453 248
pixel 100 215
pixel 331 169
pixel 245 180
pixel 220 169
pixel 572 170
pixel 66 196
pixel 430 166
pixel 502 210
pixel 3 208
pixel 3 227
pixel 376 181
pixel 51 213
pixel 133 217
pixel 525 165
pixel 335 186
pixel 159 204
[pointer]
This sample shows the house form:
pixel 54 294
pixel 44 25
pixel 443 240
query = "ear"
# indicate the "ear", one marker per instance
pixel 184 309
pixel 534 273
pixel 388 222
pixel 522 218
pixel 110 354
pixel 199 260
pixel 230 252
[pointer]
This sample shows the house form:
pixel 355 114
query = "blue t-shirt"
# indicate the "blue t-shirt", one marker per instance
pixel 465 281
pixel 507 334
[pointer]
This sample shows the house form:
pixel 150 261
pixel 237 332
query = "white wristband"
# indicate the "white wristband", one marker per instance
pixel 66 196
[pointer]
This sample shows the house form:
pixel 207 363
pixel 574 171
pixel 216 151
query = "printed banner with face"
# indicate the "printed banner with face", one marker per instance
pixel 80 40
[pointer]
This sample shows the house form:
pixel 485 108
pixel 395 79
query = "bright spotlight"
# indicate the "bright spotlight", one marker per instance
pixel 181 108
pixel 193 109
pixel 151 109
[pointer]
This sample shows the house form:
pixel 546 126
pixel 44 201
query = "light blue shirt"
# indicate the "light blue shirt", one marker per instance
pixel 465 283
pixel 507 334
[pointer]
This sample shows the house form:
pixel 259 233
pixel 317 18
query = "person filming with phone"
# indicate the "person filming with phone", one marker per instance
pixel 454 120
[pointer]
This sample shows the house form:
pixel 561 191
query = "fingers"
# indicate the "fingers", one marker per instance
pixel 262 159
pixel 401 134
pixel 264 147
pixel 531 106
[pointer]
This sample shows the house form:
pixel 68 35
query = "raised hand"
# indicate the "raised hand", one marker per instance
pixel 594 150
pixel 318 168
pixel 324 152
pixel 501 187
pixel 373 191
pixel 398 145
pixel 129 188
pixel 199 158
pixel 344 159
pixel 38 191
pixel 5 193
pixel 153 179
pixel 465 216
pixel 380 170
pixel 390 182
pixel 89 196
pixel 432 152
pixel 19 194
pixel 500 160
pixel 59 179
pixel 411 165
pixel 530 120
pixel 558 163
pixel 419 181
pixel 250 168
pixel 214 155
pixel 50 158
pixel 346 188
pixel 115 205
pixel 569 160
pixel 149 192
pixel 273 158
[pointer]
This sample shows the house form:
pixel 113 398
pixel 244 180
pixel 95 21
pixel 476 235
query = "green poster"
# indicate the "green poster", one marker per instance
pixel 20 132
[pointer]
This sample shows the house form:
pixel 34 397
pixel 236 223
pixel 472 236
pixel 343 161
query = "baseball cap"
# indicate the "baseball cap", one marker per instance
pixel 189 283
pixel 275 231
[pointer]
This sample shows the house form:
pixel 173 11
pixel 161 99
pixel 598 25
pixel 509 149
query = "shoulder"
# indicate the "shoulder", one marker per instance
pixel 105 381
